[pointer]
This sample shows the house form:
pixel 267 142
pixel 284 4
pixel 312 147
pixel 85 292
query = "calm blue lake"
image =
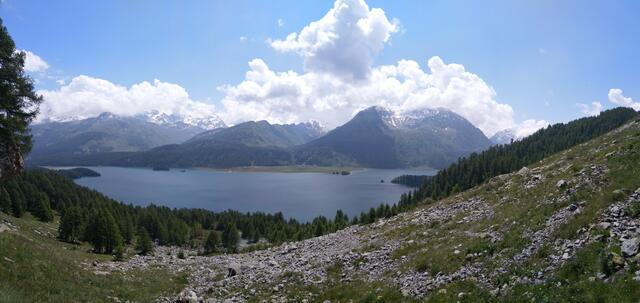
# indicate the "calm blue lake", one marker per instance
pixel 299 195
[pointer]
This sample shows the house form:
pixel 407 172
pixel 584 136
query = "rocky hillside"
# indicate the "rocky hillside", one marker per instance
pixel 564 229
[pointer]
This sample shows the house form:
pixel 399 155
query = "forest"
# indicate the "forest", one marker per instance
pixel 501 159
pixel 88 216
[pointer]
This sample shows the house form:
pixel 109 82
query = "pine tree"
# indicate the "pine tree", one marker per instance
pixel 212 243
pixel 119 253
pixel 70 228
pixel 230 237
pixel 5 201
pixel 144 244
pixel 42 209
pixel 19 102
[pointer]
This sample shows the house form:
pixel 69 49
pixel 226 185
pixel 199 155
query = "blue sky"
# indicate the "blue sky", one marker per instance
pixel 540 57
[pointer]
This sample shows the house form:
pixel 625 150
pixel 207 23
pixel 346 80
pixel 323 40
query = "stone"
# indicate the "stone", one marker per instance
pixel 630 247
pixel 604 225
pixel 233 270
pixel 617 260
pixel 561 184
pixel 187 296
pixel 524 171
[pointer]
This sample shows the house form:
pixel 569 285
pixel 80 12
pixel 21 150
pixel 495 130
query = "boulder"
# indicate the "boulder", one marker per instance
pixel 630 247
pixel 233 269
pixel 187 296
pixel 524 171
pixel 561 184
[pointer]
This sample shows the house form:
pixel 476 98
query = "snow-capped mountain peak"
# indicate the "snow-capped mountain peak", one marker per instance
pixel 208 123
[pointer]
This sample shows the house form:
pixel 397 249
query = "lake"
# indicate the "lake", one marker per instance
pixel 297 195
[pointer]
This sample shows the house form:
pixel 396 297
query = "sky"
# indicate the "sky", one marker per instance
pixel 501 64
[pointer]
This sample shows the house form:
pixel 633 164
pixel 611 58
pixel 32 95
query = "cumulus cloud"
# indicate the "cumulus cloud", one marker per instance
pixel 286 97
pixel 85 97
pixel 33 63
pixel 343 42
pixel 528 127
pixel 616 96
pixel 592 109
pixel 339 80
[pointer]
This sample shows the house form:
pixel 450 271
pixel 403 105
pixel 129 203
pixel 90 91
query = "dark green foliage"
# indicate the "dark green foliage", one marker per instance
pixel 71 225
pixel 42 208
pixel 144 244
pixel 119 253
pixel 5 201
pixel 478 167
pixel 410 180
pixel 78 172
pixel 18 99
pixel 213 243
pixel 103 232
pixel 230 237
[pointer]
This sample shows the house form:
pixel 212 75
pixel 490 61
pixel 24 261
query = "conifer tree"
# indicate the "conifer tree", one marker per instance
pixel 212 243
pixel 70 229
pixel 230 237
pixel 5 201
pixel 144 244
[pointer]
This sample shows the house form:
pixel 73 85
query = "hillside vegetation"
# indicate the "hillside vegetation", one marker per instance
pixel 563 229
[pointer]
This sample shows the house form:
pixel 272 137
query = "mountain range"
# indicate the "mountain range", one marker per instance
pixel 375 137
pixel 112 133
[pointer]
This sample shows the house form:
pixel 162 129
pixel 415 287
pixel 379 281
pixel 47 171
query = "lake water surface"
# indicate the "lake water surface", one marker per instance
pixel 299 195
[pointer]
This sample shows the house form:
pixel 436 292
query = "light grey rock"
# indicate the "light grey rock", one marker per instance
pixel 187 296
pixel 561 184
pixel 630 247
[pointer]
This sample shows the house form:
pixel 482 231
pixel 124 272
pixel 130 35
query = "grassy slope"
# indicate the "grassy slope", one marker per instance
pixel 517 212
pixel 35 267
pixel 44 269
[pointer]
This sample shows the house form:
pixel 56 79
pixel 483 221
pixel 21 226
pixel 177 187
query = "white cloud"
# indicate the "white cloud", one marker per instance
pixel 616 96
pixel 343 42
pixel 286 97
pixel 280 23
pixel 33 63
pixel 243 38
pixel 85 97
pixel 592 109
pixel 339 80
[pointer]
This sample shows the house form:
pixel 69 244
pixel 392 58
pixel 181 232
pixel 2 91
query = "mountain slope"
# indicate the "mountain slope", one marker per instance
pixel 565 228
pixel 262 133
pixel 106 133
pixel 377 137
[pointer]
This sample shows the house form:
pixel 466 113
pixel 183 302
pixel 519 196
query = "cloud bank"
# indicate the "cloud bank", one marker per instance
pixel 33 63
pixel 616 97
pixel 85 97
pixel 592 109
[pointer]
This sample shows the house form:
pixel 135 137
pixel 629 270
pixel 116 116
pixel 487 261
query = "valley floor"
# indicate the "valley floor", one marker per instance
pixel 565 229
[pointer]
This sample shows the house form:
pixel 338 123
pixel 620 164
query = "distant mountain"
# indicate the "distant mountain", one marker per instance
pixel 204 123
pixel 261 133
pixel 377 137
pixel 504 137
pixel 111 133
